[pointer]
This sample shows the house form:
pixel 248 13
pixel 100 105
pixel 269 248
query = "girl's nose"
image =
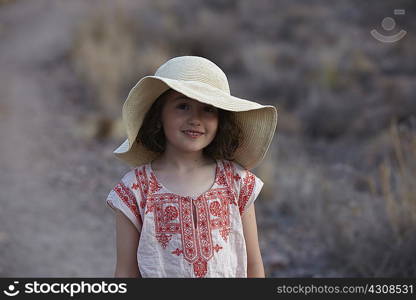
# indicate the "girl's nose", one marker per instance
pixel 194 121
pixel 195 117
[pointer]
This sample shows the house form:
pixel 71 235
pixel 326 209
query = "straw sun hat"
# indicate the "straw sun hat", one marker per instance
pixel 200 79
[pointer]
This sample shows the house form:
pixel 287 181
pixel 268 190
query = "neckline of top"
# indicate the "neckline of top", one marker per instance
pixel 217 172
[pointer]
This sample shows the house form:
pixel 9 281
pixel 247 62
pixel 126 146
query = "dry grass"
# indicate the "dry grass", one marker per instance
pixel 104 56
pixel 374 235
pixel 397 177
pixel 344 221
pixel 109 55
pixel 6 1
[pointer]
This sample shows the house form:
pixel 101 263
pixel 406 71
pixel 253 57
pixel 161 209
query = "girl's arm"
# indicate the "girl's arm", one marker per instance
pixel 254 261
pixel 127 244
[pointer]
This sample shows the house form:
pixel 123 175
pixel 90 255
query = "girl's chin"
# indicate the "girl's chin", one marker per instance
pixel 190 146
pixel 191 149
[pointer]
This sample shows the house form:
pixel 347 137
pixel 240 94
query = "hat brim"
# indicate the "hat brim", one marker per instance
pixel 257 122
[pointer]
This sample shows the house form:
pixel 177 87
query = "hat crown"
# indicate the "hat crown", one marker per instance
pixel 194 68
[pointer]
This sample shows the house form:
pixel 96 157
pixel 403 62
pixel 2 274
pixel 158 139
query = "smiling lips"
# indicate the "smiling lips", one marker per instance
pixel 192 133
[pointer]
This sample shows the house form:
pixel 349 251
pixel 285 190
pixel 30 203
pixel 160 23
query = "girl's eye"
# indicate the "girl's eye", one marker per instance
pixel 211 109
pixel 182 106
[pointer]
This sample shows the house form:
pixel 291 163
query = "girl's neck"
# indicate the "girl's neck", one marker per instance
pixel 181 163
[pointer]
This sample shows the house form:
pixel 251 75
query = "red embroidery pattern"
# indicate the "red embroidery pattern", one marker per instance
pixel 165 213
pixel 215 208
pixel 187 230
pixel 221 178
pixel 145 186
pixel 230 178
pixel 229 170
pixel 154 185
pixel 246 191
pixel 225 232
pixel 217 247
pixel 221 210
pixel 142 185
pixel 163 239
pixel 173 214
pixel 203 228
pixel 127 196
pixel 177 252
pixel 200 268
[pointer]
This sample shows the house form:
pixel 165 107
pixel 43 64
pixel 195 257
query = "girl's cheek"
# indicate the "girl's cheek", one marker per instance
pixel 212 117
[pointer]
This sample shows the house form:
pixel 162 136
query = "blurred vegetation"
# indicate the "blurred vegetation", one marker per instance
pixel 346 105
pixel 377 236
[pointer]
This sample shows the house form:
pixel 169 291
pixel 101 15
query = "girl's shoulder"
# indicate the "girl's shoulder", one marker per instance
pixel 245 183
pixel 131 175
pixel 240 174
pixel 234 166
pixel 237 173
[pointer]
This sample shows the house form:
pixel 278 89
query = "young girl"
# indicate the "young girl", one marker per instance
pixel 186 207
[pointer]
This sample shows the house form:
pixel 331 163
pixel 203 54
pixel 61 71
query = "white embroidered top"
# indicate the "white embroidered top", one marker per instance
pixel 170 244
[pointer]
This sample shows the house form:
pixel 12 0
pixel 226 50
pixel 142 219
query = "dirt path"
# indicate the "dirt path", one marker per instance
pixel 47 227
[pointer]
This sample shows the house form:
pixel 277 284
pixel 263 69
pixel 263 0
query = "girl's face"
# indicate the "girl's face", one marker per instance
pixel 188 125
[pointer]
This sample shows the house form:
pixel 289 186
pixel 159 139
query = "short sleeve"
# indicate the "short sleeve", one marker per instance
pixel 123 198
pixel 249 187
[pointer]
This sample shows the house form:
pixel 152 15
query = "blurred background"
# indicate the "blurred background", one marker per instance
pixel 339 197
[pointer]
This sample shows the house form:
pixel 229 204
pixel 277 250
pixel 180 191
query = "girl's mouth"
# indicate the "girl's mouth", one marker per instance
pixel 192 134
